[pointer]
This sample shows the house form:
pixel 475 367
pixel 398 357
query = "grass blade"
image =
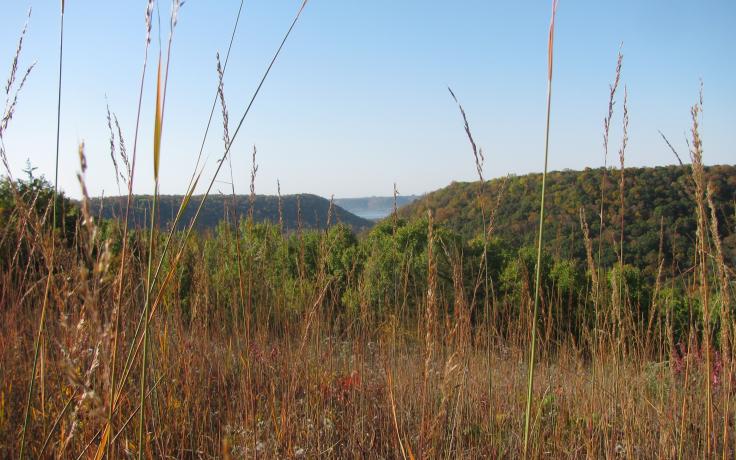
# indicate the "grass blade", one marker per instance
pixel 157 125
pixel 158 122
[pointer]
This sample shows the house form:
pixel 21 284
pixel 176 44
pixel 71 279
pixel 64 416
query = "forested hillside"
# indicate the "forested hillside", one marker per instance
pixel 655 199
pixel 310 210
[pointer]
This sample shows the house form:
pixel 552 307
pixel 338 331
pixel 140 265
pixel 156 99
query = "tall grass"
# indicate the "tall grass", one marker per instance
pixel 49 278
pixel 540 240
pixel 622 205
pixel 158 120
pixel 236 221
pixel 124 251
pixel 702 242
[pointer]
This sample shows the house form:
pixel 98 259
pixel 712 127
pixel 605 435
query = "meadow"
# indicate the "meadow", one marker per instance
pixel 409 340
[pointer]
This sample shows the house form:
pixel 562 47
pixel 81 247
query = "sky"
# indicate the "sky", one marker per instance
pixel 358 99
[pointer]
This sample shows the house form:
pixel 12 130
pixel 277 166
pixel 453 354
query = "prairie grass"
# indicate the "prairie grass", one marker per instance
pixel 408 341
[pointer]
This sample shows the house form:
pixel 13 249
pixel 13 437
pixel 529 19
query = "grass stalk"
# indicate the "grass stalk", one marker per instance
pixel 698 173
pixel 537 277
pixel 124 250
pixel 606 131
pixel 156 161
pixel 725 306
pixel 44 307
pixel 236 219
pixel 214 100
pixel 621 188
pixel 430 320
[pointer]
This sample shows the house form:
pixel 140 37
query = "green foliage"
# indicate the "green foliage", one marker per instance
pixel 566 276
pixel 36 194
pixel 680 310
pixel 635 286
pixel 518 276
pixel 654 198
pixel 26 207
pixel 394 259
pixel 272 274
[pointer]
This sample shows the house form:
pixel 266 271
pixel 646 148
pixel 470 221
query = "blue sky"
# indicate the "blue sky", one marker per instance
pixel 358 99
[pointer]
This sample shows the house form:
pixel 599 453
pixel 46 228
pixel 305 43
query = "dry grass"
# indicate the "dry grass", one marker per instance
pixel 331 398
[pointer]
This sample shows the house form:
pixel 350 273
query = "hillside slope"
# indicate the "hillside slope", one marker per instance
pixel 654 198
pixel 313 210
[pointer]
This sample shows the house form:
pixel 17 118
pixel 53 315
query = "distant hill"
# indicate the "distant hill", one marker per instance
pixel 374 207
pixel 314 210
pixel 653 196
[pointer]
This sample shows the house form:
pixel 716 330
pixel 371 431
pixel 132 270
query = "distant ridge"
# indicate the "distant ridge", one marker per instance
pixel 314 210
